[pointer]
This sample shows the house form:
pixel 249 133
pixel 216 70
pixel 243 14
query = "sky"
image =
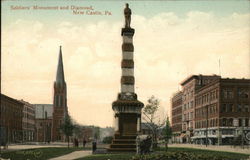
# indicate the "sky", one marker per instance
pixel 173 40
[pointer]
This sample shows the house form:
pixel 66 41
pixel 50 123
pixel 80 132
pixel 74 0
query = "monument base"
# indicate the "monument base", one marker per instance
pixel 128 119
pixel 123 143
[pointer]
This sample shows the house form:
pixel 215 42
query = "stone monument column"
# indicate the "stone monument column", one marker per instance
pixel 127 108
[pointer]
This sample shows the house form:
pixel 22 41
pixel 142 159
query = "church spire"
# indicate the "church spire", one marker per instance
pixel 60 72
pixel 60 108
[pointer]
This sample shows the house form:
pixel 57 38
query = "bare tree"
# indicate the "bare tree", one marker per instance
pixel 149 115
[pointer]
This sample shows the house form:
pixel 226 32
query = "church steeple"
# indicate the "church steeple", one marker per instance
pixel 60 108
pixel 60 71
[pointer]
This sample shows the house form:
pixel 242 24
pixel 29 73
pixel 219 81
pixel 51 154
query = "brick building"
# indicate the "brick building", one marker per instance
pixel 176 118
pixel 190 87
pixel 11 120
pixel 43 120
pixel 222 111
pixel 28 121
pixel 214 109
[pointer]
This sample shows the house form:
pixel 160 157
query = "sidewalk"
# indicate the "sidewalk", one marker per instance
pixel 214 147
pixel 33 146
pixel 73 155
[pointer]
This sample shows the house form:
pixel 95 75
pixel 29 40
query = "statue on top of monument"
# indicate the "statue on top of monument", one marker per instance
pixel 127 14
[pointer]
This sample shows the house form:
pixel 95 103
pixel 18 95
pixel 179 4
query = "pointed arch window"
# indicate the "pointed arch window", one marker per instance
pixel 57 100
pixel 61 100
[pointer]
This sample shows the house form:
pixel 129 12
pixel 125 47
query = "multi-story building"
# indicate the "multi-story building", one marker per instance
pixel 222 111
pixel 11 120
pixel 190 87
pixel 176 118
pixel 43 127
pixel 28 121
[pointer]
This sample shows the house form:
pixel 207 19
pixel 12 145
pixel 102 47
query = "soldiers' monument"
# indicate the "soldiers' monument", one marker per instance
pixel 127 108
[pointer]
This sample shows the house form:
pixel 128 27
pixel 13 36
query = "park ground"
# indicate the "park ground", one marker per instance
pixel 59 151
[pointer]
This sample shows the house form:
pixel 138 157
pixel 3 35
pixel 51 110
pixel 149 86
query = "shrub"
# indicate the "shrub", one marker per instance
pixel 183 156
pixel 107 140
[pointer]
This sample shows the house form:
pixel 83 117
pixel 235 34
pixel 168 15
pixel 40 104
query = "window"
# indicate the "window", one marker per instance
pixel 223 108
pixel 229 107
pixel 239 108
pixel 246 122
pixel 57 100
pixel 191 115
pixel 243 93
pixel 230 94
pixel 46 114
pixel 230 122
pixel 210 110
pixel 246 108
pixel 224 122
pixel 61 100
pixel 227 94
pixel 240 122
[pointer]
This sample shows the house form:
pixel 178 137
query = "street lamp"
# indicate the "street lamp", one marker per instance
pixel 44 126
pixel 207 125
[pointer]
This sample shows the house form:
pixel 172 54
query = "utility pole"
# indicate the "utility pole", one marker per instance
pixel 242 134
pixel 218 132
pixel 207 125
pixel 44 130
pixel 37 134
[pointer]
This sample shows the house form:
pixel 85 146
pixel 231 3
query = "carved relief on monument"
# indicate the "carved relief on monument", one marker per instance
pixel 127 63
pixel 128 47
pixel 127 80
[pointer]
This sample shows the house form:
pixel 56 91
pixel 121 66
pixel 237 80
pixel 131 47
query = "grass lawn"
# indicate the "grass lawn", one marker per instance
pixel 202 151
pixel 38 153
pixel 121 156
pixel 206 152
pixel 236 156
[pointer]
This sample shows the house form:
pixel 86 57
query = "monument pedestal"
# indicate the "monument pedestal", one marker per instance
pixel 128 123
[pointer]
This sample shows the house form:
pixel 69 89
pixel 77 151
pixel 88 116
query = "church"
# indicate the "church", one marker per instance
pixel 60 108
pixel 49 117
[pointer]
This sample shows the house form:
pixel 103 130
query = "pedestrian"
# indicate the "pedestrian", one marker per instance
pixel 74 142
pixel 77 143
pixel 84 142
pixel 93 146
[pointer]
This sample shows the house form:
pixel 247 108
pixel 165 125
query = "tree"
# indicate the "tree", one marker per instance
pixel 78 131
pixel 149 115
pixel 96 132
pixel 167 131
pixel 67 127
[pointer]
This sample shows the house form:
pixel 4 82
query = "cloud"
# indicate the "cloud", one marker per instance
pixel 168 48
